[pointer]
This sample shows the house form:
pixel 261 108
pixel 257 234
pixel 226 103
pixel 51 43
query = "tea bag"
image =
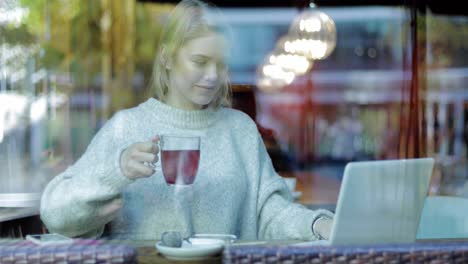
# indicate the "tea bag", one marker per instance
pixel 171 239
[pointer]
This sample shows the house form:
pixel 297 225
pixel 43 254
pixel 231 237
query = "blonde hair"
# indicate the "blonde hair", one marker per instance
pixel 189 20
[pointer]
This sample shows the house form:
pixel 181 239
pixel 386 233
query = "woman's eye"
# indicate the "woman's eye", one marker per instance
pixel 200 62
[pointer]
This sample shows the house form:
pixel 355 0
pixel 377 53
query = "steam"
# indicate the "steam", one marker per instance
pixel 183 195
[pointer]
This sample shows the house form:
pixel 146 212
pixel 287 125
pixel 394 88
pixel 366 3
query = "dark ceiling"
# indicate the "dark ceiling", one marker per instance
pixel 449 7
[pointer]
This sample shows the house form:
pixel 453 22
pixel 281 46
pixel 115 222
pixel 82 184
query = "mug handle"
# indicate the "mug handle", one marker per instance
pixel 155 165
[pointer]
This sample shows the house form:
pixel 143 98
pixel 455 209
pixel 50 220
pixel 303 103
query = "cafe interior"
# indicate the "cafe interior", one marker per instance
pixel 327 83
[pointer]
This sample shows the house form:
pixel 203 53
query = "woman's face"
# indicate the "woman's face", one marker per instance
pixel 196 72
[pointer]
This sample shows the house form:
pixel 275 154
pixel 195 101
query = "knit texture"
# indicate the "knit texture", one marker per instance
pixel 236 190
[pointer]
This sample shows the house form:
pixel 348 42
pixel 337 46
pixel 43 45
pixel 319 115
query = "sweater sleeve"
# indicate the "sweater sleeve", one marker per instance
pixel 278 216
pixel 71 203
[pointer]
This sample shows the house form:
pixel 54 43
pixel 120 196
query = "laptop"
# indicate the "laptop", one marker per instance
pixel 380 202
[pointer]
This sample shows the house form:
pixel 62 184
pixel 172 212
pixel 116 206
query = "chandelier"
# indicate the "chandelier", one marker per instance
pixel 311 36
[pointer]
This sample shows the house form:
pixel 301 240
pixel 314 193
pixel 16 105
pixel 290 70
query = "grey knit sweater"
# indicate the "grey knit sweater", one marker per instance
pixel 236 190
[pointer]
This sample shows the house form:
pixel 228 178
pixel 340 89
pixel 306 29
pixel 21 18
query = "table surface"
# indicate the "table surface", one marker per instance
pixel 147 252
pixel 7 213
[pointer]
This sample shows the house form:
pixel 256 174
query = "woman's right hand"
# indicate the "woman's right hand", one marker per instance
pixel 133 158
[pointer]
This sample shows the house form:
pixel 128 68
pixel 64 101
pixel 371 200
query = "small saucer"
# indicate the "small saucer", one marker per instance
pixel 227 238
pixel 197 249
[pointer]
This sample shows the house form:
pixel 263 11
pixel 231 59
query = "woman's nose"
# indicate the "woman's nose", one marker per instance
pixel 211 73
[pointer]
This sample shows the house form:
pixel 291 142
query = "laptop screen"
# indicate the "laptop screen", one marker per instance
pixel 380 202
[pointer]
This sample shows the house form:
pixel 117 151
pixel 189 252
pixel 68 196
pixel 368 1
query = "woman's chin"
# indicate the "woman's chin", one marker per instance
pixel 202 102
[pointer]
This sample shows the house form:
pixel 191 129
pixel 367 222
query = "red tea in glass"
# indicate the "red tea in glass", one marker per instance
pixel 180 166
pixel 180 157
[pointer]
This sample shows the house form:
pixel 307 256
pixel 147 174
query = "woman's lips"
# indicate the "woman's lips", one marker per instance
pixel 205 87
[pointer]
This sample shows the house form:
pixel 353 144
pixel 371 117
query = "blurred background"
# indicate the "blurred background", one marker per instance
pixel 394 84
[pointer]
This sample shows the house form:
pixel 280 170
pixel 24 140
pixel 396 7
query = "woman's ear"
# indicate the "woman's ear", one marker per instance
pixel 166 61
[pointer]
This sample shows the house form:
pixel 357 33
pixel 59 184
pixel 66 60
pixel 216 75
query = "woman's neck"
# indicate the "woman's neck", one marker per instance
pixel 183 104
pixel 166 113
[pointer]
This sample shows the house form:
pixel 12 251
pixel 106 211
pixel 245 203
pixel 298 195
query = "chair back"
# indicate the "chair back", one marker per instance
pixel 444 217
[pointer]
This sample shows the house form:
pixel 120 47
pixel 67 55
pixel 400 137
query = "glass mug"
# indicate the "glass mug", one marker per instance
pixel 179 158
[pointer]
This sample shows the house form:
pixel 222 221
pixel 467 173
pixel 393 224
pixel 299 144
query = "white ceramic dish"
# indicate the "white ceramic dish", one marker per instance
pixel 197 249
pixel 228 238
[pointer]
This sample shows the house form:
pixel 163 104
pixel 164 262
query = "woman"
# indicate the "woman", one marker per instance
pixel 236 190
